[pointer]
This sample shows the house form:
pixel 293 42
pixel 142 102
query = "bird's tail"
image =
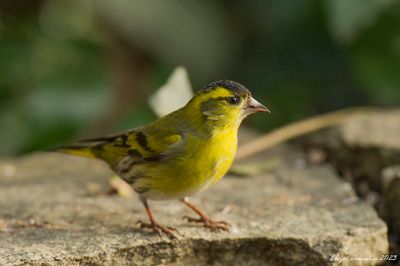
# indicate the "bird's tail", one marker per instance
pixel 100 148
pixel 84 150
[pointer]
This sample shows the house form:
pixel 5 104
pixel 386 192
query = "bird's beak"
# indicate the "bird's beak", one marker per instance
pixel 253 106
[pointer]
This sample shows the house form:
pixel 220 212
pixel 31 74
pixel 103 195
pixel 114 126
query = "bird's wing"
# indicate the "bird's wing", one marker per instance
pixel 139 143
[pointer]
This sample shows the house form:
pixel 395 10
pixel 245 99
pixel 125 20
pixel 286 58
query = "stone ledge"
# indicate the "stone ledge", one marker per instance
pixel 289 216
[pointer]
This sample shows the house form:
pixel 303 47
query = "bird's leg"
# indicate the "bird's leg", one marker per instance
pixel 156 227
pixel 204 219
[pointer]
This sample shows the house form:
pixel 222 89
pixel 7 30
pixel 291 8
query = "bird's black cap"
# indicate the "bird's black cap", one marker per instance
pixel 235 87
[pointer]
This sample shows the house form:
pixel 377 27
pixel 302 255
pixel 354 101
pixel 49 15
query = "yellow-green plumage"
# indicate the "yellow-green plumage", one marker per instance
pixel 182 153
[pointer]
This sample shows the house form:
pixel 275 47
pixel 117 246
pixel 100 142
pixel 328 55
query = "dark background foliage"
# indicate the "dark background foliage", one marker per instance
pixel 79 68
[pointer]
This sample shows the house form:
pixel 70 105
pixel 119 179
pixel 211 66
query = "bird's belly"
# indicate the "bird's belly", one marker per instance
pixel 187 175
pixel 187 181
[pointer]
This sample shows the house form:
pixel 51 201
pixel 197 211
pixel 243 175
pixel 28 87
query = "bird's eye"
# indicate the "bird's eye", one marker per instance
pixel 234 100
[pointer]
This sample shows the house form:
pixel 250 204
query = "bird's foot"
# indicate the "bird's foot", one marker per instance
pixel 207 222
pixel 159 229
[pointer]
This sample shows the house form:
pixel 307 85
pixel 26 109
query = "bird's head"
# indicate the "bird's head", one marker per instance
pixel 225 103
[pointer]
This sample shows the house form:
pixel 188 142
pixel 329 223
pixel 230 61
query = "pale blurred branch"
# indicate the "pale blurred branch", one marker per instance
pixel 296 129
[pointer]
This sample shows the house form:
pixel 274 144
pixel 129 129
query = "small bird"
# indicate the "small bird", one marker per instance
pixel 180 154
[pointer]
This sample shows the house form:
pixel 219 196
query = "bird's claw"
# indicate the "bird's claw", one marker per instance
pixel 213 225
pixel 159 229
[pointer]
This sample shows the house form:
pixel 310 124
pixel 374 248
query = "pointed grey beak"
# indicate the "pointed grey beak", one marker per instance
pixel 253 106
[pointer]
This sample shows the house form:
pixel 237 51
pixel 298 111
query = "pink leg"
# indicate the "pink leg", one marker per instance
pixel 156 227
pixel 204 219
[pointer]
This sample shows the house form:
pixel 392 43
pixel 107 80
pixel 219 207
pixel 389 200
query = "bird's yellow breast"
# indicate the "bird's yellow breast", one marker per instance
pixel 215 158
pixel 202 163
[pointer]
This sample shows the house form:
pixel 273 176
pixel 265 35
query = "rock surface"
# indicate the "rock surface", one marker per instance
pixel 379 129
pixel 292 215
pixel 364 143
pixel 391 198
pixel 365 149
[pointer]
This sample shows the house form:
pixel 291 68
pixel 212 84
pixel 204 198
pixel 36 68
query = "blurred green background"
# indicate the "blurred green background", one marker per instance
pixel 79 68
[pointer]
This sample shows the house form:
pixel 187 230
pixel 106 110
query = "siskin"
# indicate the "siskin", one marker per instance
pixel 180 154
